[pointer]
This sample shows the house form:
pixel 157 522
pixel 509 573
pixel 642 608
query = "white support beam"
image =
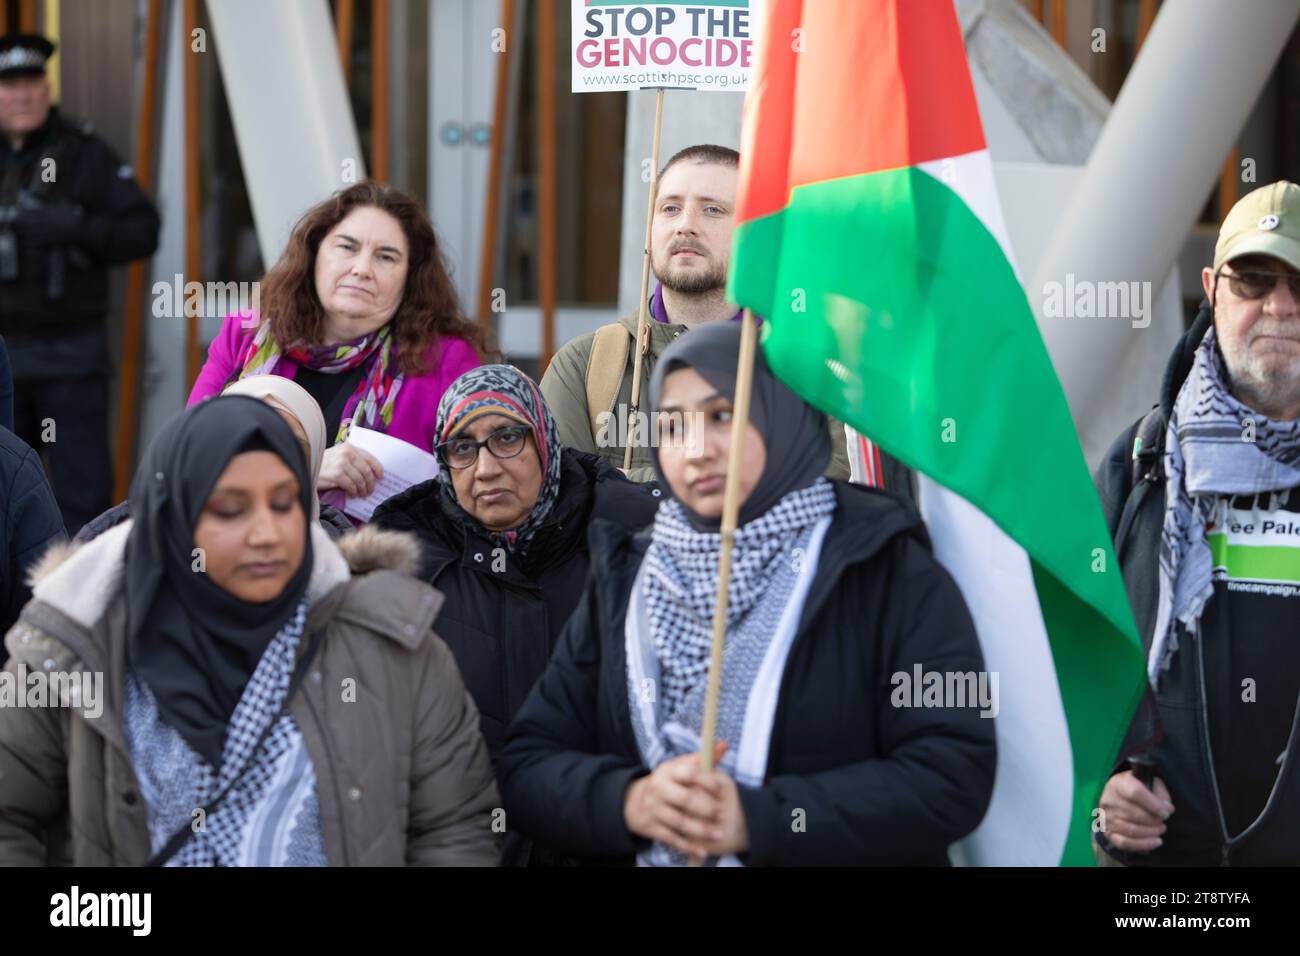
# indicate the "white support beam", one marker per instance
pixel 1182 107
pixel 289 106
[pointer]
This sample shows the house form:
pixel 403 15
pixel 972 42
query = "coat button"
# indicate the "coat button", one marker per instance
pixel 49 663
pixel 408 630
pixel 129 798
pixel 315 676
pixel 354 793
pixel 478 556
pixel 656 492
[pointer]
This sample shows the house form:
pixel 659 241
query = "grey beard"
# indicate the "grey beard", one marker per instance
pixel 1266 395
pixel 693 283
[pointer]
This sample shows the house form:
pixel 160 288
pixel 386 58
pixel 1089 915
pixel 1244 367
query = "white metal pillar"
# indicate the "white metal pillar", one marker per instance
pixel 289 107
pixel 1195 81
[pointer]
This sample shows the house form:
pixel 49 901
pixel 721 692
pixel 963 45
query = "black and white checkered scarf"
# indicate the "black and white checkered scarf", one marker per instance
pixel 1215 446
pixel 670 628
pixel 272 816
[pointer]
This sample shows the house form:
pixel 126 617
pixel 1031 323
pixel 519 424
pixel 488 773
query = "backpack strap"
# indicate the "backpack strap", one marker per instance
pixel 1146 460
pixel 605 367
pixel 1146 471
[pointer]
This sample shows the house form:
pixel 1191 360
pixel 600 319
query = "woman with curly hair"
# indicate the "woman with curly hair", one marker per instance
pixel 361 312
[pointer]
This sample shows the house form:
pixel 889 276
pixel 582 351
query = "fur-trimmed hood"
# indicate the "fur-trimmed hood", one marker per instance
pixel 81 579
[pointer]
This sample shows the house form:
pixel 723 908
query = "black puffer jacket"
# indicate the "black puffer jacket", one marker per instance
pixel 502 617
pixel 875 784
pixel 1169 736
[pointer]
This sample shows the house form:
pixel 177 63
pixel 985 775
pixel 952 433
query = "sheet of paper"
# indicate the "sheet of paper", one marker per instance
pixel 404 465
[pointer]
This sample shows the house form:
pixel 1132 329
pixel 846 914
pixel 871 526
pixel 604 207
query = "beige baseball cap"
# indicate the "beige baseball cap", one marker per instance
pixel 1264 222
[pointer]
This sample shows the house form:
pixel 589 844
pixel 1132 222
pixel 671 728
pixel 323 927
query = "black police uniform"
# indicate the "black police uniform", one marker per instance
pixel 69 209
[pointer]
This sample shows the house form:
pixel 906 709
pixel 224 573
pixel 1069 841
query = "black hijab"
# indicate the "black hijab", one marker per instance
pixel 194 644
pixel 794 433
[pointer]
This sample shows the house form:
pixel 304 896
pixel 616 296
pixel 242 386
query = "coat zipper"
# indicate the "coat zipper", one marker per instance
pixel 1209 754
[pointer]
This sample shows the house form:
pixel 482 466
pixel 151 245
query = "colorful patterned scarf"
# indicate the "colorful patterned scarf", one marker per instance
pixel 371 404
pixel 506 391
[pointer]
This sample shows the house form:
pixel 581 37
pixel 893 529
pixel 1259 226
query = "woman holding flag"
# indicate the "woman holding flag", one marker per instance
pixel 821 761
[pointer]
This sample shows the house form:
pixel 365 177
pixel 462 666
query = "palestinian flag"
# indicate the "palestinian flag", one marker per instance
pixel 870 239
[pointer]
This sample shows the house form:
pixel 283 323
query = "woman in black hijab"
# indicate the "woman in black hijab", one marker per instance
pixel 194 637
pixel 834 592
pixel 205 612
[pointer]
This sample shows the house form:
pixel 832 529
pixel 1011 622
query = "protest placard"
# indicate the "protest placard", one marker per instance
pixel 676 44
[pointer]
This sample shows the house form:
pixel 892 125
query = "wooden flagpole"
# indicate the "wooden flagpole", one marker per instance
pixel 546 174
pixel 643 317
pixel 730 513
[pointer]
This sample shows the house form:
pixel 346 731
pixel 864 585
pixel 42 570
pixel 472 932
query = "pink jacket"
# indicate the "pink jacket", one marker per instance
pixel 415 412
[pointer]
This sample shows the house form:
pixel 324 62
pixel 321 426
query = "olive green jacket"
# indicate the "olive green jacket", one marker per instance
pixel 564 386
pixel 402 772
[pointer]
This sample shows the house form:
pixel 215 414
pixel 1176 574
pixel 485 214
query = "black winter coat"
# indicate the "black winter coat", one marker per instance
pixel 31 522
pixel 877 784
pixel 502 617
pixel 118 224
pixel 1170 733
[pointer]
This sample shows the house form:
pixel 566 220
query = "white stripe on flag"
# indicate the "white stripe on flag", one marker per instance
pixel 1029 815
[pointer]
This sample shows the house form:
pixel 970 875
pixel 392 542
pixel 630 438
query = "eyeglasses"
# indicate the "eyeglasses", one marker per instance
pixel 505 442
pixel 1255 284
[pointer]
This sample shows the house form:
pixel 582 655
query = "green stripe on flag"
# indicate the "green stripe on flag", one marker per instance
pixel 889 305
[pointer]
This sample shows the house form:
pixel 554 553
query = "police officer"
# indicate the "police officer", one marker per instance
pixel 69 209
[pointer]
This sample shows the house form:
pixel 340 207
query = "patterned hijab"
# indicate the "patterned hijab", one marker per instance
pixel 371 405
pixel 503 390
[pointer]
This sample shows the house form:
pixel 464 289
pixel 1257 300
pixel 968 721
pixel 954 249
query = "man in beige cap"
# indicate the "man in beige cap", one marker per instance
pixel 1201 498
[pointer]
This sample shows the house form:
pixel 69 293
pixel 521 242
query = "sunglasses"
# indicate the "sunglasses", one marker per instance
pixel 507 442
pixel 1256 283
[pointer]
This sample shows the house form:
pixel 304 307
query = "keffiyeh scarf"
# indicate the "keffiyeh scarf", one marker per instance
pixel 271 817
pixel 669 632
pixel 1215 446
pixel 371 404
